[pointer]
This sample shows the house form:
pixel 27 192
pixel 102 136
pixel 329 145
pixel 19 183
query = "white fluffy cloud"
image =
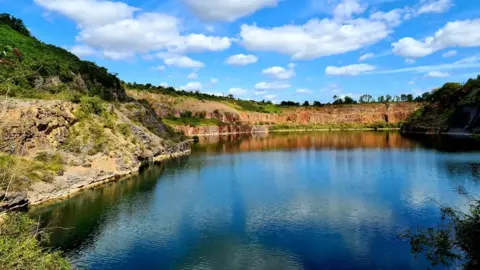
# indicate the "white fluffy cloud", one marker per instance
pixel 237 91
pixel 314 39
pixel 227 10
pixel 434 6
pixel 214 81
pixel 437 74
pixel 451 53
pixel 192 86
pixel 147 32
pixel 82 50
pixel 347 8
pixel 122 30
pixel 279 73
pixel 453 34
pixel 90 12
pixel 393 17
pixel 272 85
pixel 241 59
pixel 350 70
pixel 192 76
pixel 181 61
pixel 364 57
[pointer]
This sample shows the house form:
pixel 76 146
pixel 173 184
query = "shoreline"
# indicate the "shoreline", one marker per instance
pixel 110 179
pixel 292 130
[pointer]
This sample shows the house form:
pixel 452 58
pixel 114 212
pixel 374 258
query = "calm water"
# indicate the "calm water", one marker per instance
pixel 331 200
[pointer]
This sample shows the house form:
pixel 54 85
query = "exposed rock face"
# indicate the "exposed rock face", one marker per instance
pixel 342 114
pixel 435 119
pixel 12 200
pixel 362 114
pixel 221 130
pixel 30 127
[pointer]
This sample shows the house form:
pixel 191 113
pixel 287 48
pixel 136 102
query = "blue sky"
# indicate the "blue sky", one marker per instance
pixel 268 49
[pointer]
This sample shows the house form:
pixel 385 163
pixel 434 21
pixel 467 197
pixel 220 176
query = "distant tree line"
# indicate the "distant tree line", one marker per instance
pixel 337 100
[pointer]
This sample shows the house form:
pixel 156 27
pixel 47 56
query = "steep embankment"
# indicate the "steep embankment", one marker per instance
pixel 454 108
pixel 57 148
pixel 71 125
pixel 232 120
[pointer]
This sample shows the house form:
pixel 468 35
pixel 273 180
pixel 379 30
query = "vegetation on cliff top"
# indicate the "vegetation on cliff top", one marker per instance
pixel 443 109
pixel 266 106
pixel 31 68
pixel 21 245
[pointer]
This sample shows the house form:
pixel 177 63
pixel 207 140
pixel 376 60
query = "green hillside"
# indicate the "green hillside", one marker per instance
pixel 454 107
pixel 31 68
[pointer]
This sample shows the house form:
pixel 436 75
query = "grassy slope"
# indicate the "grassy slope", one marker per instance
pixel 443 110
pixel 39 59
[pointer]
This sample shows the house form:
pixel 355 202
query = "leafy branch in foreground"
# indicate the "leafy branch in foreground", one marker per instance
pixel 455 239
pixel 20 245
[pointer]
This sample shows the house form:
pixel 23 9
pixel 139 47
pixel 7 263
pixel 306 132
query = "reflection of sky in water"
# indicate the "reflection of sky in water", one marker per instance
pixel 310 208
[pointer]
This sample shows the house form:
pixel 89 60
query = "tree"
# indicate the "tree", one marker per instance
pixel 381 99
pixel 457 236
pixel 317 104
pixel 15 24
pixel 388 98
pixel 403 97
pixel 306 104
pixel 349 100
pixel 409 97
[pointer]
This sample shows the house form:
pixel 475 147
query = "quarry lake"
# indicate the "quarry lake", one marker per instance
pixel 324 200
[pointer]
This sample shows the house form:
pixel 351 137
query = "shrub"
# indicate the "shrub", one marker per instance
pixel 90 105
pixel 21 246
pixel 125 129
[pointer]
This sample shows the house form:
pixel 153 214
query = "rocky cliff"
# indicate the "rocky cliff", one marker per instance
pixel 453 108
pixel 91 149
pixel 237 121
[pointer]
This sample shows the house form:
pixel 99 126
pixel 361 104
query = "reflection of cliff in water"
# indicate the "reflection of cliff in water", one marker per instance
pixel 303 140
pixel 83 214
pixel 445 143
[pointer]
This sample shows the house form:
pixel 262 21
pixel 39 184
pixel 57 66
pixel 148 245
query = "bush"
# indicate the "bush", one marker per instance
pixel 90 105
pixel 21 246
pixel 125 129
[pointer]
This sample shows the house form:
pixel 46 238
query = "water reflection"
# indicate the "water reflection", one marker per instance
pixel 305 140
pixel 283 201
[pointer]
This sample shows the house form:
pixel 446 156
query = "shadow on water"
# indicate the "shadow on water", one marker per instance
pixel 72 221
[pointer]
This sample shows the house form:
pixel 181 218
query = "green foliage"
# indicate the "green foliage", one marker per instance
pixel 125 129
pixel 24 59
pixel 87 136
pixel 440 113
pixel 457 237
pixel 21 246
pixel 89 106
pixel 19 173
pixel 14 23
pixel 191 121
